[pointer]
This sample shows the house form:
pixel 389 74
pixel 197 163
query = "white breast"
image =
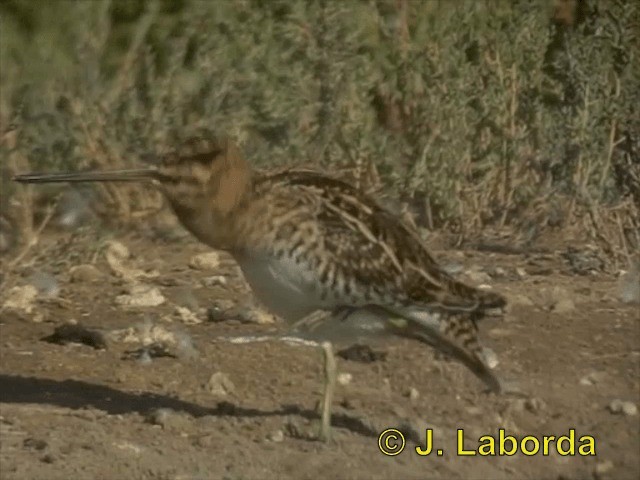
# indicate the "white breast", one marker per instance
pixel 289 290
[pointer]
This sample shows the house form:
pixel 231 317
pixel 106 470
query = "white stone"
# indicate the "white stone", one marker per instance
pixel 187 316
pixel 276 437
pixel 629 409
pixel 344 378
pixel 219 384
pixel 490 357
pixel 214 281
pixel 21 298
pixel 521 272
pixel 256 315
pixel 141 296
pixel 205 261
pixel 117 250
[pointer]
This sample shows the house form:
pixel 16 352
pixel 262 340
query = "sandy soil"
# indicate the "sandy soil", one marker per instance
pixel 75 411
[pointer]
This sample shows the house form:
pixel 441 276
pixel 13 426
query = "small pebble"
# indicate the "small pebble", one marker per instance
pixel 186 316
pixel 593 378
pixel 521 272
pixel 534 405
pixel 205 261
pixel 499 272
pixel 277 436
pixel 141 296
pixel 386 386
pixel 564 306
pixel 219 384
pixel 159 416
pixel 629 409
pixel 559 300
pixel 618 406
pixel 586 381
pixel 48 458
pixel 214 281
pixel 255 315
pixel 490 358
pixel 602 468
pixel 478 276
pixel 452 268
pixel 169 418
pixel 117 249
pixel 222 309
pixel 344 378
pixel 412 394
pixel 85 273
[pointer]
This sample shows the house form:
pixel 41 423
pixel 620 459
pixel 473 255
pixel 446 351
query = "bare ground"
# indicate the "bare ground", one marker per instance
pixel 73 411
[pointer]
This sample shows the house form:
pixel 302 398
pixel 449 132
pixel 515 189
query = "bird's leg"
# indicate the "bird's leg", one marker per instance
pixel 330 374
pixel 306 327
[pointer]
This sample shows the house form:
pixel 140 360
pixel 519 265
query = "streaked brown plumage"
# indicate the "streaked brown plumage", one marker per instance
pixel 306 242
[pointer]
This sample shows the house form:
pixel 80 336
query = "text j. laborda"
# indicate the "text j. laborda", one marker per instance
pixel 392 442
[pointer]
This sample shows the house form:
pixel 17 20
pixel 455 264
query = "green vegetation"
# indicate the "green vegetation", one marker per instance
pixel 478 113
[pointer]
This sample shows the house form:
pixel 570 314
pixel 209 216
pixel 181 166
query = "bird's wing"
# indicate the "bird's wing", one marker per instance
pixel 377 248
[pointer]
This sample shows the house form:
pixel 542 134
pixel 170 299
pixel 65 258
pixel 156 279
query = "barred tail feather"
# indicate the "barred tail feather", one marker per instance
pixel 453 334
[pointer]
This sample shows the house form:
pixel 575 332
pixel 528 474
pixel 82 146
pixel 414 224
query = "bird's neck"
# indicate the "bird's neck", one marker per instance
pixel 229 187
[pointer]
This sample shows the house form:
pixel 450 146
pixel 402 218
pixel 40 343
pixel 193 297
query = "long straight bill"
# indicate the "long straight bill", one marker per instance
pixel 133 175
